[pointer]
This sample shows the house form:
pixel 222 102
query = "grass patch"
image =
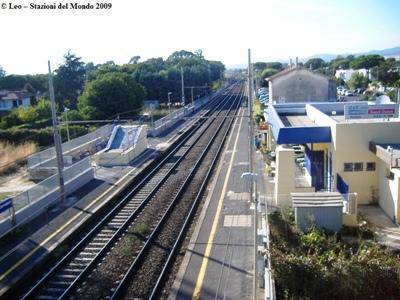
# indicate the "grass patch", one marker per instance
pixel 317 265
pixel 11 155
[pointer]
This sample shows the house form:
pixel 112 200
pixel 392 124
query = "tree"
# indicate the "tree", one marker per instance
pixel 366 61
pixel 357 80
pixel 43 109
pixel 259 66
pixel 2 72
pixel 387 72
pixel 314 63
pixel 268 72
pixel 134 60
pixel 109 95
pixel 70 79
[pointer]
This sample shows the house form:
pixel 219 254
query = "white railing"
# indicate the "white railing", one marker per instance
pixel 50 153
pixel 48 185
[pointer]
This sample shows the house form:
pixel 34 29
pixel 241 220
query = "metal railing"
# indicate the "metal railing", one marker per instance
pixel 48 185
pixel 50 153
pixel 180 113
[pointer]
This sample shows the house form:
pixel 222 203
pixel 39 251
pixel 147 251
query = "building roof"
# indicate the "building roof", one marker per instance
pixel 318 199
pixel 14 95
pixel 290 70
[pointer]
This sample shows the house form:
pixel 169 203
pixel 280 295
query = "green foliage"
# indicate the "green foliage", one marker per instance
pixel 366 61
pixel 109 95
pixel 2 72
pixel 315 265
pixel 268 72
pixel 387 72
pixel 358 80
pixel 159 77
pixel 27 114
pixel 69 79
pixel 43 136
pixel 38 83
pixel 315 63
pixel 43 109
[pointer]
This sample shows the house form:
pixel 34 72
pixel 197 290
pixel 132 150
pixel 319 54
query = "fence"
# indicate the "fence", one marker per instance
pixel 180 113
pixel 48 185
pixel 50 153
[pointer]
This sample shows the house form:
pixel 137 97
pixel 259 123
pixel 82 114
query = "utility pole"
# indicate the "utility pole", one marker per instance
pixel 253 192
pixel 183 88
pixel 66 121
pixel 57 139
pixel 192 93
pixel 169 101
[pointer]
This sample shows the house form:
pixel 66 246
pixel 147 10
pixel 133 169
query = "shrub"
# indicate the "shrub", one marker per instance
pixel 315 265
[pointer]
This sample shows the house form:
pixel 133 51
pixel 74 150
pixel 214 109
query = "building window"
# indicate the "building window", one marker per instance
pixel 371 166
pixel 358 166
pixel 389 174
pixel 19 102
pixel 348 167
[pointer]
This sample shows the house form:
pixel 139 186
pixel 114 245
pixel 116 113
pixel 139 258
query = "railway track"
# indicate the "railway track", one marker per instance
pixel 134 215
pixel 146 276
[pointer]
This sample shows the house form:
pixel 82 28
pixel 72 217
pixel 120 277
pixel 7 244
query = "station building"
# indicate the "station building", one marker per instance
pixel 350 148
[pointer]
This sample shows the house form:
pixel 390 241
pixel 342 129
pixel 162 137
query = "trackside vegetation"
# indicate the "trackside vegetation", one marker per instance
pixel 319 265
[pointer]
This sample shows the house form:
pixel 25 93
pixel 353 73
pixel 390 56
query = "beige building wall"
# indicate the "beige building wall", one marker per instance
pixel 351 144
pixel 285 176
pixel 389 191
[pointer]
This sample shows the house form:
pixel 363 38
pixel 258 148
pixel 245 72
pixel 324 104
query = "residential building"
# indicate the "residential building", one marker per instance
pixel 346 74
pixel 352 148
pixel 13 99
pixel 298 84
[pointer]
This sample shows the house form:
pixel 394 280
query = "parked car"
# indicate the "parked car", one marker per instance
pixel 359 90
pixel 349 93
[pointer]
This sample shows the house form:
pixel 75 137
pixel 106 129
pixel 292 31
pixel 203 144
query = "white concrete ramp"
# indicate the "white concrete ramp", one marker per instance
pixel 125 144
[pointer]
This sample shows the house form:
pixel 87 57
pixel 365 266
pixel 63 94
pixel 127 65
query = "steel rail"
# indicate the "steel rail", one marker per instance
pixel 157 288
pixel 123 285
pixel 121 204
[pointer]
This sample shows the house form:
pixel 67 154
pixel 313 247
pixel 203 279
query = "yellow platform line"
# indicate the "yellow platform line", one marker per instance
pixel 207 252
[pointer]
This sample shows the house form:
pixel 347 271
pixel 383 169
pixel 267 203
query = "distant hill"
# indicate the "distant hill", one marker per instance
pixel 389 52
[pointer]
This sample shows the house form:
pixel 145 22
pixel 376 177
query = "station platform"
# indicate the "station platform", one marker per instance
pixel 219 261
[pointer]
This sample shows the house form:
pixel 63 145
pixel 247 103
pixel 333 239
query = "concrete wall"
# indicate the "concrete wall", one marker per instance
pixel 301 85
pixel 285 176
pixel 351 144
pixel 329 217
pixel 120 157
pixel 389 191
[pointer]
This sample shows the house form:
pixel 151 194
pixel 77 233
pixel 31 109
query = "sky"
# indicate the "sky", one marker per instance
pixel 224 30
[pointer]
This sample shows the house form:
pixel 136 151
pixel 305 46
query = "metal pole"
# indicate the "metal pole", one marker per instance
pixel 183 88
pixel 66 122
pixel 253 197
pixel 169 101
pixel 192 95
pixel 57 140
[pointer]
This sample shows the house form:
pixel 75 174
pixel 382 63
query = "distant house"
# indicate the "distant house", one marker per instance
pixel 14 99
pixel 300 85
pixel 346 74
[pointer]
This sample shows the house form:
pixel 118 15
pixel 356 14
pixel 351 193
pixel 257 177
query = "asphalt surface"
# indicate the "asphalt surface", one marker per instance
pixel 228 269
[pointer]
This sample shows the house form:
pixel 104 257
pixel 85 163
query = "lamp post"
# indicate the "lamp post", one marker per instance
pixel 66 110
pixel 169 101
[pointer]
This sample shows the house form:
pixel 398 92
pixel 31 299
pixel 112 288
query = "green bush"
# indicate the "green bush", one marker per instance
pixel 315 265
pixel 43 137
